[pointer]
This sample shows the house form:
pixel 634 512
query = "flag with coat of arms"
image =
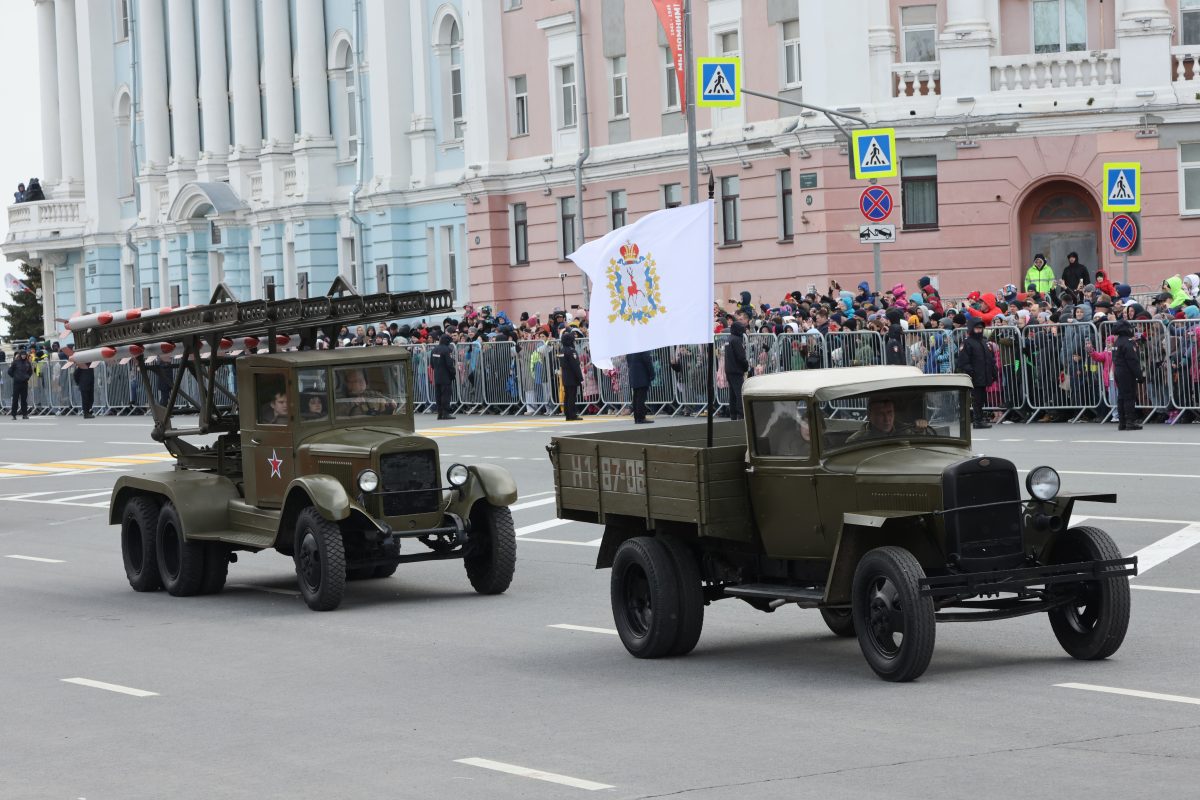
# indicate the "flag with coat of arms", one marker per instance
pixel 652 283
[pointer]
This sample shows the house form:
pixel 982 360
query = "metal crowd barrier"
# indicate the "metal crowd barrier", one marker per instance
pixel 1152 340
pixel 1184 347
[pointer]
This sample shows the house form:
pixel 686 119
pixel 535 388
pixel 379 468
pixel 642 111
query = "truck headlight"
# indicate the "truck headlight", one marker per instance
pixel 457 474
pixel 368 480
pixel 1043 483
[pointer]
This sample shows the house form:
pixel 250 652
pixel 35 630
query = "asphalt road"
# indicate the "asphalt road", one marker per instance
pixel 418 688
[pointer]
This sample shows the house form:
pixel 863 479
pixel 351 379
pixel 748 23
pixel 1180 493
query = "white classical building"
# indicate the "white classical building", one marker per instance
pixel 262 143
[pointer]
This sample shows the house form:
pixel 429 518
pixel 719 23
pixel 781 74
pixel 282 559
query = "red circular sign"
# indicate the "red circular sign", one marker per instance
pixel 1122 233
pixel 875 203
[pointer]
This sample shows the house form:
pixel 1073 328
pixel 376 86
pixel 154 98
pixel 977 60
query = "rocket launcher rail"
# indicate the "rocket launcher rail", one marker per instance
pixel 226 317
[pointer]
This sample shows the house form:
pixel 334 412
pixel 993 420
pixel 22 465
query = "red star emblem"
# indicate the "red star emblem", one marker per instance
pixel 276 462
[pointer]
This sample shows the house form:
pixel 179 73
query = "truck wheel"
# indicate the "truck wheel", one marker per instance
pixel 645 597
pixel 139 521
pixel 895 625
pixel 840 621
pixel 491 557
pixel 1093 626
pixel 691 595
pixel 180 562
pixel 216 567
pixel 320 557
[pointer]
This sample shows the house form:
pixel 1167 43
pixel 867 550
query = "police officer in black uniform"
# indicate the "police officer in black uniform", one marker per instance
pixel 571 375
pixel 736 367
pixel 1127 369
pixel 641 375
pixel 442 360
pixel 85 379
pixel 975 359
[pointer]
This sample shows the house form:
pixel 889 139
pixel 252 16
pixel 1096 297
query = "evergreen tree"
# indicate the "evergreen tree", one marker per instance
pixel 24 313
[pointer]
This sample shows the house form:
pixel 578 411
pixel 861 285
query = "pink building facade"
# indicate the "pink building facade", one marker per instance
pixel 1005 112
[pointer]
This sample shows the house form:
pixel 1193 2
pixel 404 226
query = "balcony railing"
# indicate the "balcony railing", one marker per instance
pixel 256 187
pixel 1056 70
pixel 289 181
pixel 916 79
pixel 43 218
pixel 1185 63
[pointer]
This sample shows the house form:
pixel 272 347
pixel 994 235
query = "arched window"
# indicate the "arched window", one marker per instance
pixel 456 96
pixel 126 157
pixel 344 99
pixel 449 47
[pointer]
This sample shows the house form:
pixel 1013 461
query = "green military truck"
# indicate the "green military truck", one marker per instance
pixel 853 491
pixel 311 452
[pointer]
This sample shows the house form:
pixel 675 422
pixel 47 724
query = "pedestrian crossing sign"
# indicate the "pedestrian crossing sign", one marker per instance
pixel 874 153
pixel 719 83
pixel 1123 187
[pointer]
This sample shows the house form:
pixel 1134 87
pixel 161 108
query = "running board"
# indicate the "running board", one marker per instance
pixel 782 593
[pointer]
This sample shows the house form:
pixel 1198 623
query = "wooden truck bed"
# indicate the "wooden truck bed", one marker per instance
pixel 657 475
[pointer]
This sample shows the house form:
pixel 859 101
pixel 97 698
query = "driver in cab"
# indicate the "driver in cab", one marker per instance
pixel 881 423
pixel 358 400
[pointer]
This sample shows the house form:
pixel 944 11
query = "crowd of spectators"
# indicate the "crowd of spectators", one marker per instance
pixel 472 325
pixel 29 193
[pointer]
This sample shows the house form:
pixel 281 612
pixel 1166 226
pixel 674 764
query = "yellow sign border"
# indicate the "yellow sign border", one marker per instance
pixel 1136 166
pixel 858 136
pixel 736 61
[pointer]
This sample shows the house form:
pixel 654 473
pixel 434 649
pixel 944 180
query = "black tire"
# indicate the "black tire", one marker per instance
pixel 320 558
pixel 644 593
pixel 491 556
pixel 1094 627
pixel 139 521
pixel 387 570
pixel 887 604
pixel 691 595
pixel 216 568
pixel 840 621
pixel 180 562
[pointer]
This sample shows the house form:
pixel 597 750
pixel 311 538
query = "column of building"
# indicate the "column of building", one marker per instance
pixel 214 96
pixel 245 93
pixel 70 122
pixel 276 156
pixel 422 135
pixel 152 73
pixel 316 152
pixel 486 106
pixel 48 74
pixel 964 50
pixel 881 45
pixel 1144 41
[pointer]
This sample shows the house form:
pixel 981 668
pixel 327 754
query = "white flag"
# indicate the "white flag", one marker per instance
pixel 652 283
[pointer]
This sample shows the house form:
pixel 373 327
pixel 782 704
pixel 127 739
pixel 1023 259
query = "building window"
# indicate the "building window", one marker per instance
pixel 451 259
pixel 126 157
pixel 791 53
pixel 456 91
pixel 919 31
pixel 122 20
pixel 1189 178
pixel 1189 21
pixel 618 204
pixel 730 208
pixel 566 226
pixel 786 229
pixel 520 234
pixel 520 95
pixel 346 76
pixel 512 5
pixel 1059 26
pixel 727 43
pixel 672 195
pixel 918 192
pixel 566 96
pixel 671 94
pixel 620 88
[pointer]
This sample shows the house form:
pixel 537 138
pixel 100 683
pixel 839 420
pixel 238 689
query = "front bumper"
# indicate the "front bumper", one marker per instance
pixel 965 585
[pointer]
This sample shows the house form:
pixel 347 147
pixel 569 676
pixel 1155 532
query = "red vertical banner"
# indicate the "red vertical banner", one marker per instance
pixel 670 14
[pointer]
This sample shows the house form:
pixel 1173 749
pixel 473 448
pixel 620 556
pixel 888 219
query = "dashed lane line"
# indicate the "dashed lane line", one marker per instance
pixel 535 774
pixel 38 559
pixel 1167 547
pixel 560 541
pixel 541 526
pixel 1173 698
pixel 562 626
pixel 51 441
pixel 532 504
pixel 110 687
pixel 1163 589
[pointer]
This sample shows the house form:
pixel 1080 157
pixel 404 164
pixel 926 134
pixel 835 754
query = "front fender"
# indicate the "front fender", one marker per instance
pixel 487 482
pixel 325 492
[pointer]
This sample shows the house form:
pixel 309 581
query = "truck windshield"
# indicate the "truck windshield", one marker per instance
pixel 369 391
pixel 895 414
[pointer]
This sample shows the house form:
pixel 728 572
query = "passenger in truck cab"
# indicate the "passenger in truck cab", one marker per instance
pixel 275 412
pixel 881 422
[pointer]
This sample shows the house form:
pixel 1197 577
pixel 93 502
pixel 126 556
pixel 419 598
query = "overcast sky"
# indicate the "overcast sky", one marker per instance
pixel 20 131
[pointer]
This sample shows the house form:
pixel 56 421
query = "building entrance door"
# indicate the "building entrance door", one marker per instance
pixel 1058 218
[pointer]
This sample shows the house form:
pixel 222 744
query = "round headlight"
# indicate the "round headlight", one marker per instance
pixel 457 474
pixel 368 480
pixel 1043 483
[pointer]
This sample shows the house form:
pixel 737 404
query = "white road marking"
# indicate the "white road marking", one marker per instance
pixel 1133 441
pixel 1163 589
pixel 267 589
pixel 1155 554
pixel 532 504
pixel 54 441
pixel 537 494
pixel 536 774
pixel 1146 519
pixel 584 628
pixel 28 494
pixel 35 558
pixel 541 526
pixel 559 541
pixel 1174 698
pixel 110 687
pixel 1046 441
pixel 85 496
pixel 139 444
pixel 73 519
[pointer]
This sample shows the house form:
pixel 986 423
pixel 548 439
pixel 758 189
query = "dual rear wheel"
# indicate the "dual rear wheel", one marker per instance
pixel 657 596
pixel 157 556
